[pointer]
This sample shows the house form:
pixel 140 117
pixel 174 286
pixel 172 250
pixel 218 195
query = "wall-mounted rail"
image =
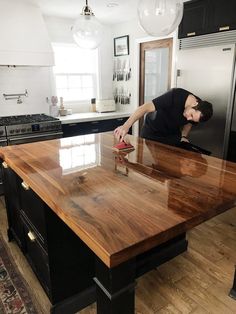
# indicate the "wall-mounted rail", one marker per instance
pixel 16 96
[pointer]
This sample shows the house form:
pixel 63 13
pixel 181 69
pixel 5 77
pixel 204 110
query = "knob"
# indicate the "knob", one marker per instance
pixel 25 186
pixel 31 236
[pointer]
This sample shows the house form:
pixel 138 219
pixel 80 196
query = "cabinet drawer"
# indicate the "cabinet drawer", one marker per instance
pixel 34 209
pixel 81 128
pixel 37 257
pixel 91 127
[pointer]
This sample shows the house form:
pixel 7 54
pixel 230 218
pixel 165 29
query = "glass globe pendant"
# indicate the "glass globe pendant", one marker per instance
pixel 160 17
pixel 87 31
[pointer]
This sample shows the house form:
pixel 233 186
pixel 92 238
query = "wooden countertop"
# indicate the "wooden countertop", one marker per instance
pixel 121 205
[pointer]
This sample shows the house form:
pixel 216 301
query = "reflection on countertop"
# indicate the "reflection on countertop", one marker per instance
pixel 78 153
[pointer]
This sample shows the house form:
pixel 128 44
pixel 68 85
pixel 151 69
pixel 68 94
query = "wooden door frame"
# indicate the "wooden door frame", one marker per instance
pixel 162 43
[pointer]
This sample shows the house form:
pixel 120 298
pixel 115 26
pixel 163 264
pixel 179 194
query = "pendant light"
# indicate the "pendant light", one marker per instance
pixel 160 17
pixel 87 31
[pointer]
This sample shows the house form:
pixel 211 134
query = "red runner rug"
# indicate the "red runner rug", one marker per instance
pixel 14 291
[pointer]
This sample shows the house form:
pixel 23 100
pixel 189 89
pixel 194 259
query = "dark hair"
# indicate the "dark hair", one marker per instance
pixel 206 110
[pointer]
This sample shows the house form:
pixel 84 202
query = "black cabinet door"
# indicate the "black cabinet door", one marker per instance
pixel 11 192
pixel 33 211
pixel 37 257
pixel 222 15
pixel 195 20
pixel 82 128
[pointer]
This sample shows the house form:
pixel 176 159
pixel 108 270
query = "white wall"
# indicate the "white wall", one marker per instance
pixel 37 81
pixel 136 36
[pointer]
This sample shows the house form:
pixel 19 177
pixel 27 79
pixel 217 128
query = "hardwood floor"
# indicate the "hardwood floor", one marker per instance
pixel 197 281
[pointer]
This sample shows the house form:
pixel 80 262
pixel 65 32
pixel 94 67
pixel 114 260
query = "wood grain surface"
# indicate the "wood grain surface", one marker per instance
pixel 122 204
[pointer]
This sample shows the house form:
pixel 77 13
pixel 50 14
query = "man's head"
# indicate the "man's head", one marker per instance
pixel 200 112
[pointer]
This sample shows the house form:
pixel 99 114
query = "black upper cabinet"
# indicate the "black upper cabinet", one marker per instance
pixel 194 20
pixel 207 16
pixel 222 15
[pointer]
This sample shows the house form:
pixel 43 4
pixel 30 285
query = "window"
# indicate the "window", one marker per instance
pixel 75 72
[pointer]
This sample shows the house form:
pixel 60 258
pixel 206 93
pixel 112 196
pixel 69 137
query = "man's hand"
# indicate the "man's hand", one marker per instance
pixel 184 139
pixel 120 133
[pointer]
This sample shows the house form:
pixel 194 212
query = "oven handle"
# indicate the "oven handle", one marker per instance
pixel 34 136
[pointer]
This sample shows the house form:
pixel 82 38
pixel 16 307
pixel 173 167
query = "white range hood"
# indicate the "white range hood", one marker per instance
pixel 24 40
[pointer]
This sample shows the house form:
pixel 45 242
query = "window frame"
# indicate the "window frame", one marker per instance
pixel 95 75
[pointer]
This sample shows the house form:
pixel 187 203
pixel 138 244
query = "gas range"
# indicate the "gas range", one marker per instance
pixel 26 129
pixel 29 128
pixel 26 124
pixel 23 119
pixel 2 131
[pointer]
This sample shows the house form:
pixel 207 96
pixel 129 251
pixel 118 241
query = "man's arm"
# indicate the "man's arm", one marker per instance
pixel 122 130
pixel 185 132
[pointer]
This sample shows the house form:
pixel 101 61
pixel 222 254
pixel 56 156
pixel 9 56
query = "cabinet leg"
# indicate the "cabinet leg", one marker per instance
pixel 115 288
pixel 232 293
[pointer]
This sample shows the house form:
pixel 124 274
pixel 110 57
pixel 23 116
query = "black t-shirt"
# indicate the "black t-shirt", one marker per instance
pixel 167 120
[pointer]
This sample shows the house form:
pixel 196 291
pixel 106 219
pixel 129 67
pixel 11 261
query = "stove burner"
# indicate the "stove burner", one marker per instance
pixel 32 118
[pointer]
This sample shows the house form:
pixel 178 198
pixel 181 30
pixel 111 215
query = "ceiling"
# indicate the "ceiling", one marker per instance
pixel 121 11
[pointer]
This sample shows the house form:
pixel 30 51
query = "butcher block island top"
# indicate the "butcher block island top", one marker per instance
pixel 123 204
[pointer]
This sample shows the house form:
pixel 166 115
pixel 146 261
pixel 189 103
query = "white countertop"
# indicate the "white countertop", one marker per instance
pixel 92 116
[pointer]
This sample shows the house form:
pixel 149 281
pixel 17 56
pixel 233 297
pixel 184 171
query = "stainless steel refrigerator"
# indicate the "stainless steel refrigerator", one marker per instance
pixel 209 73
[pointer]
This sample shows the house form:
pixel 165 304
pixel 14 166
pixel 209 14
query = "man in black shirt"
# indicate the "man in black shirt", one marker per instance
pixel 169 117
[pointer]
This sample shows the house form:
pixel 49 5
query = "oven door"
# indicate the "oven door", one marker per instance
pixel 3 142
pixel 30 138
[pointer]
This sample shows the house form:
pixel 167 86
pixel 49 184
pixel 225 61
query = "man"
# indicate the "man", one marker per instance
pixel 169 117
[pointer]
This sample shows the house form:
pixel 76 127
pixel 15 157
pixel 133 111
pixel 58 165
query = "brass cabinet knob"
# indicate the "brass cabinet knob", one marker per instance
pixel 223 28
pixel 25 186
pixel 5 165
pixel 31 236
pixel 191 34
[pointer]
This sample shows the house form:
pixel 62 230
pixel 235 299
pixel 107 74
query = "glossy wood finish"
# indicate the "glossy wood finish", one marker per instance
pixel 122 205
pixel 197 281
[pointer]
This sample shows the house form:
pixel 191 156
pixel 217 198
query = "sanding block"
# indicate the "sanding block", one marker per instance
pixel 122 147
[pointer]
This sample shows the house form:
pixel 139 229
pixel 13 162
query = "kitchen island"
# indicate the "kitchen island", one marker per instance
pixel 129 211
